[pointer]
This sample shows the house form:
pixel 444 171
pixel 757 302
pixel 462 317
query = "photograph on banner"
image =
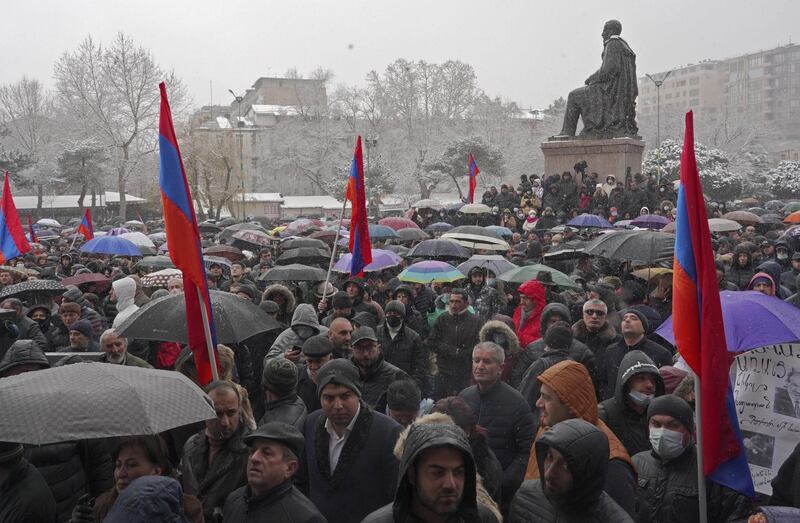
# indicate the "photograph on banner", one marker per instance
pixel 767 396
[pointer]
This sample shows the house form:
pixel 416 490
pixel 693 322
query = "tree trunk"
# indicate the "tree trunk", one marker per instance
pixel 39 197
pixel 121 182
pixel 460 192
pixel 424 190
pixel 94 199
pixel 82 195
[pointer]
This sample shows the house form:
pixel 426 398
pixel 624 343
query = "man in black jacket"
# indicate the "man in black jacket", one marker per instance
pixel 668 473
pixel 28 329
pixel 572 457
pixel 375 372
pixel 281 402
pixel 437 480
pixel 626 413
pixel 24 494
pixel 503 412
pixel 401 345
pixel 269 494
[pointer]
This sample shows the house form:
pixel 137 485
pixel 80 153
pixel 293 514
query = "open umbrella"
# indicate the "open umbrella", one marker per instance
pixel 723 225
pixel 86 278
pixel 752 320
pixel 791 207
pixel 430 271
pixel 224 263
pixel 774 205
pixel 638 246
pixel 118 231
pixel 491 262
pixel 474 237
pixel 650 221
pixel 209 228
pixel 113 245
pixel 296 243
pixel 48 222
pixel 228 232
pixel 305 256
pixel 503 232
pixel 160 278
pixel 531 272
pixel 440 250
pixel 381 259
pixel 151 263
pixel 302 226
pixel 293 272
pixel 164 319
pixel 327 236
pixel 249 239
pixel 428 203
pixel 475 208
pixel 397 223
pixel 401 250
pixel 381 232
pixel 567 251
pixel 61 404
pixel 743 217
pixel 590 221
pixel 438 227
pixel 33 289
pixel 793 218
pixel 651 272
pixel 410 234
pixel 225 251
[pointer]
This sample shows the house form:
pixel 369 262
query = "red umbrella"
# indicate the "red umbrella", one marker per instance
pixel 397 223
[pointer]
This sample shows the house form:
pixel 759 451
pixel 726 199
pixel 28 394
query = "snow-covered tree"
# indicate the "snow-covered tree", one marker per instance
pixel 783 180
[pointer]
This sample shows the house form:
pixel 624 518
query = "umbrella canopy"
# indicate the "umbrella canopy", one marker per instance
pixel 397 223
pixel 438 227
pixel 209 228
pixel 296 243
pixel 327 236
pixel 48 222
pixel 87 277
pixel 293 272
pixel 474 230
pixel 638 246
pixel 32 289
pixel 723 225
pixel 228 232
pixel 304 255
pixel 410 234
pixel 164 319
pixel 428 203
pixel 302 226
pixel 743 217
pixel 225 263
pixel 249 239
pixel 430 271
pixel 159 279
pixel 503 232
pixel 228 252
pixel 61 404
pixel 567 251
pixel 752 320
pixel 133 223
pixel 158 237
pixel 474 237
pixel 651 272
pixel 401 250
pixel 758 211
pixel 118 231
pixel 381 259
pixel 772 218
pixel 621 224
pixel 475 208
pixel 791 207
pixel 793 218
pixel 439 249
pixel 650 221
pixel 531 272
pixel 155 263
pixel 139 239
pixel 381 232
pixel 111 245
pixel 590 221
pixel 774 205
pixel 491 262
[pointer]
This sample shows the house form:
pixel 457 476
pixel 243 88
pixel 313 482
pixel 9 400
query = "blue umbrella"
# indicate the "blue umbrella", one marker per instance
pixel 505 232
pixel 381 232
pixel 111 245
pixel 590 220
pixel 752 320
pixel 439 227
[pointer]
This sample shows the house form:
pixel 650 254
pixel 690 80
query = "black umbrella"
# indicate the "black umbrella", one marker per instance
pixel 410 234
pixel 639 246
pixel 474 230
pixel 293 272
pixel 304 255
pixel 440 250
pixel 297 243
pixel 32 289
pixel 228 232
pixel 402 250
pixel 155 263
pixel 235 319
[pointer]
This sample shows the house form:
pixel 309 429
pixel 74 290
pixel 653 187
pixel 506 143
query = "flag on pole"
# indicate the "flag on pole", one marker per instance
pixel 360 245
pixel 473 177
pixel 31 232
pixel 86 227
pixel 12 236
pixel 183 238
pixel 700 331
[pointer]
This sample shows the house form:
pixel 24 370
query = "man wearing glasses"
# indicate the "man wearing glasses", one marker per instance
pixel 596 332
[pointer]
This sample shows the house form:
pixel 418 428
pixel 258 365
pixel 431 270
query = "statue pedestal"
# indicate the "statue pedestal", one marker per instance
pixel 607 156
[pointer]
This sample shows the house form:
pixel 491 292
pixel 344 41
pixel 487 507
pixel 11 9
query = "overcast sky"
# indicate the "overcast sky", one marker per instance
pixel 529 51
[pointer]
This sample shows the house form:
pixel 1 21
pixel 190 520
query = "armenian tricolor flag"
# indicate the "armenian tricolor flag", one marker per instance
pixel 473 178
pixel 360 245
pixel 13 242
pixel 86 227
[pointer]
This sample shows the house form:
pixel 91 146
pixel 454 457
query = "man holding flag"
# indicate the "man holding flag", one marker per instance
pixel 473 177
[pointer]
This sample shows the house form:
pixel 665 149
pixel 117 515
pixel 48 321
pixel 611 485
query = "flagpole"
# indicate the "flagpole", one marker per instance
pixel 209 343
pixel 333 250
pixel 701 476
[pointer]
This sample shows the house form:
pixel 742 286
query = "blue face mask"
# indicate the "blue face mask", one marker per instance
pixel 640 399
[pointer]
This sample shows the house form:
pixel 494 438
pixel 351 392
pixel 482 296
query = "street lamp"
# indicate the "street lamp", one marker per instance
pixel 240 125
pixel 658 82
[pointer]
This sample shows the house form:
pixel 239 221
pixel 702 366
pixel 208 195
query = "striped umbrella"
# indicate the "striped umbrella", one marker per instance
pixel 430 271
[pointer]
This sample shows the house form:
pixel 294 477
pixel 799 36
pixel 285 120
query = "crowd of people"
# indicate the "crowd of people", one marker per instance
pixel 375 399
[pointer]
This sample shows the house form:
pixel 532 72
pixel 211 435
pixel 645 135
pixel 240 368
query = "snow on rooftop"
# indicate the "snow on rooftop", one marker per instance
pixel 70 201
pixel 312 202
pixel 223 122
pixel 278 110
pixel 262 197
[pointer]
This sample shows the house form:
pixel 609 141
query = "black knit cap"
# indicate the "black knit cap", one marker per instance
pixel 317 346
pixel 341 300
pixel 559 336
pixel 639 314
pixel 339 372
pixel 674 406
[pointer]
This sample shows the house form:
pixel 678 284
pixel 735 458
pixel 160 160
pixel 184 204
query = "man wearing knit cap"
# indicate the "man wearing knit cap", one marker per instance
pixel 566 393
pixel 401 345
pixel 375 373
pixel 317 351
pixel 668 472
pixel 634 330
pixel 281 402
pixel 348 468
pixel 81 338
pixel 341 307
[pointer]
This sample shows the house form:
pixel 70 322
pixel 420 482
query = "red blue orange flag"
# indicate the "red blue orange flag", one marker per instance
pixel 360 245
pixel 183 238
pixel 13 242
pixel 86 227
pixel 31 232
pixel 700 331
pixel 473 178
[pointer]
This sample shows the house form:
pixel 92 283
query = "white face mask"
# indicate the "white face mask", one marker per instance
pixel 666 443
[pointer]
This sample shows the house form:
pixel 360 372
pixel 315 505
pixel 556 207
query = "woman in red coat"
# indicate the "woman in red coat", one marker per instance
pixel 528 314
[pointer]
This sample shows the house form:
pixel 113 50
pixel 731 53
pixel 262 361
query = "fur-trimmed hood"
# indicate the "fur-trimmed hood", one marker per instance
pixel 492 327
pixel 283 290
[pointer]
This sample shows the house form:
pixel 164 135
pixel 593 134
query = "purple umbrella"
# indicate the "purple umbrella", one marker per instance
pixel 116 231
pixel 752 320
pixel 590 220
pixel 650 221
pixel 381 259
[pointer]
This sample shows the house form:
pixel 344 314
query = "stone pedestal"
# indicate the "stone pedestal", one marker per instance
pixel 608 156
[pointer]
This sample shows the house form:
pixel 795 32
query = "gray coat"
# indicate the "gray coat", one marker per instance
pixel 291 410
pixel 283 504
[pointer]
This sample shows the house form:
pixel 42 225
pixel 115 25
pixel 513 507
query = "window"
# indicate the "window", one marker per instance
pixel 694 81
pixel 694 92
